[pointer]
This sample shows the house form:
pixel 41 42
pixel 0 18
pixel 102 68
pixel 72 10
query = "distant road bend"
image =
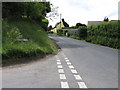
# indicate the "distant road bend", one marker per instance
pixel 79 64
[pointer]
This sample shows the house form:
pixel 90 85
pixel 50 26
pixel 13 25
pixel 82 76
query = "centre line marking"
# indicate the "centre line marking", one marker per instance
pixel 68 63
pixel 62 76
pixel 73 71
pixel 64 85
pixel 67 60
pixel 59 66
pixel 60 70
pixel 71 67
pixel 58 62
pixel 77 77
pixel 82 85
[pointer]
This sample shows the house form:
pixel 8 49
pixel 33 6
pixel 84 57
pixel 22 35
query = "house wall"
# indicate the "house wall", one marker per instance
pixel 94 22
pixel 58 27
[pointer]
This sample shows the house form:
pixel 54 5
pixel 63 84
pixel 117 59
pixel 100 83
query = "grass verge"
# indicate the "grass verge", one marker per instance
pixel 38 43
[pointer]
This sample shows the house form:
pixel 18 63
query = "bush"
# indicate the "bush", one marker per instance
pixel 38 43
pixel 73 33
pixel 106 33
pixel 82 31
pixel 44 24
pixel 59 31
pixel 50 32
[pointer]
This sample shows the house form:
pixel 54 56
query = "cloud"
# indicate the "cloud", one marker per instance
pixel 74 11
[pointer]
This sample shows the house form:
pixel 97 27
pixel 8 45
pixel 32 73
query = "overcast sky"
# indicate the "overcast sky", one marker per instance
pixel 74 11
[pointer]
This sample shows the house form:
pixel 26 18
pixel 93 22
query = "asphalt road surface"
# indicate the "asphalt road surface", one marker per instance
pixel 77 65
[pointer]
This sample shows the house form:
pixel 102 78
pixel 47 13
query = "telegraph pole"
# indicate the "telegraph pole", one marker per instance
pixel 60 20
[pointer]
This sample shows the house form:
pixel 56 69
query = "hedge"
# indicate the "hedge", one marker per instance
pixel 106 33
pixel 82 31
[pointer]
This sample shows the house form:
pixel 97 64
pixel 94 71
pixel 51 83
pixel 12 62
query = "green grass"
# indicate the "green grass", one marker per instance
pixel 38 43
pixel 69 29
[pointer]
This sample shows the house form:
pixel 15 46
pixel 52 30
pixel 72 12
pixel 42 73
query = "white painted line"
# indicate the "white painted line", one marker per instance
pixel 71 67
pixel 60 70
pixel 68 63
pixel 73 71
pixel 62 76
pixel 64 85
pixel 66 58
pixel 82 85
pixel 58 62
pixel 77 77
pixel 59 66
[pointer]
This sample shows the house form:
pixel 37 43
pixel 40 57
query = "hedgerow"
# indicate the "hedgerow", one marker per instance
pixel 106 33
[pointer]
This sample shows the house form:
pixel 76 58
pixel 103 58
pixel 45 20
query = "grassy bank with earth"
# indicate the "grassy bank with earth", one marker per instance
pixel 24 39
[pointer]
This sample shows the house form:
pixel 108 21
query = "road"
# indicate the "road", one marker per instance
pixel 78 64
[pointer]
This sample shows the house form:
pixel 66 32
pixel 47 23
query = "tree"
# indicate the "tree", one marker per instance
pixel 50 28
pixel 53 14
pixel 106 19
pixel 65 23
pixel 79 24
pixel 33 10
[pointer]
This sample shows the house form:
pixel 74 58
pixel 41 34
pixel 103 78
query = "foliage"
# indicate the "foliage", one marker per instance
pixel 105 34
pixel 50 28
pixel 79 24
pixel 82 30
pixel 44 24
pixel 65 23
pixel 38 42
pixel 59 31
pixel 33 10
pixel 73 32
pixel 53 14
pixel 50 32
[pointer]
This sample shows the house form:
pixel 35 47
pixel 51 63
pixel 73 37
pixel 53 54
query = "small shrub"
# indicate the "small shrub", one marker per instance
pixel 82 32
pixel 73 33
pixel 13 35
pixel 50 32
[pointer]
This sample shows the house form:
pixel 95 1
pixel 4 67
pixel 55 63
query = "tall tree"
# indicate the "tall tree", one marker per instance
pixel 33 10
pixel 65 23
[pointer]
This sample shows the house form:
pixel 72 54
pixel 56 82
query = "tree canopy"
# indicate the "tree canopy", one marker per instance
pixel 65 23
pixel 31 10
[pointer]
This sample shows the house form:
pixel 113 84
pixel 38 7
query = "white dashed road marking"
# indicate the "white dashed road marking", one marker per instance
pixel 62 76
pixel 67 60
pixel 64 85
pixel 71 66
pixel 73 71
pixel 60 70
pixel 82 85
pixel 77 77
pixel 58 62
pixel 60 66
pixel 68 63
